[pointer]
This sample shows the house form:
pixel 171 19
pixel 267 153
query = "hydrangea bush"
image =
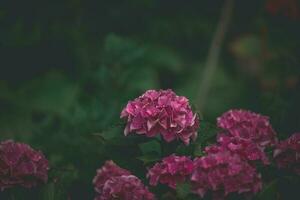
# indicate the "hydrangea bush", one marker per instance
pixel 243 158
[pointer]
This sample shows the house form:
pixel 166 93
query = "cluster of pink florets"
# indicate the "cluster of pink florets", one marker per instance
pixel 172 170
pixel 249 126
pixel 20 165
pixel 287 153
pixel 223 173
pixel 246 149
pixel 161 112
pixel 220 173
pixel 113 182
pixel 228 166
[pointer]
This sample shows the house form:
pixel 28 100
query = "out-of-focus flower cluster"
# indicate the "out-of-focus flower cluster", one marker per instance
pixel 288 8
pixel 223 173
pixel 20 165
pixel 287 153
pixel 113 182
pixel 172 170
pixel 161 112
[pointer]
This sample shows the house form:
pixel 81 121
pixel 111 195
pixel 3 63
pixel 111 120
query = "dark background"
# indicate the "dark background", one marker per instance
pixel 67 67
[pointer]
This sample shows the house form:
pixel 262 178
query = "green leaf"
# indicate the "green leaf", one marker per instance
pixel 149 158
pixel 51 93
pixel 208 131
pixel 183 190
pixel 150 147
pixel 122 50
pixel 249 46
pixel 269 192
pixel 198 150
pixel 48 192
pixel 165 59
pixel 184 150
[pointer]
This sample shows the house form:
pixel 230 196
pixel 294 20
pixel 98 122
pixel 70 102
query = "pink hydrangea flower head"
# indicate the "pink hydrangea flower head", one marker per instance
pixel 287 153
pixel 113 182
pixel 223 173
pixel 246 149
pixel 172 170
pixel 248 125
pixel 107 171
pixel 20 165
pixel 125 187
pixel 161 112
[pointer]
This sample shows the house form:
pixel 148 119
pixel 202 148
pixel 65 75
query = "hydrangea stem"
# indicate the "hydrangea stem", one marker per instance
pixel 214 53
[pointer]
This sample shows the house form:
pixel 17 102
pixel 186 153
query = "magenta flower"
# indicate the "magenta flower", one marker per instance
pixel 126 187
pixel 108 170
pixel 246 149
pixel 161 112
pixel 113 182
pixel 172 170
pixel 223 173
pixel 287 153
pixel 20 165
pixel 248 125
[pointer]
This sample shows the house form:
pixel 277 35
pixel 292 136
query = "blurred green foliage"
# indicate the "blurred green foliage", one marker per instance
pixel 68 67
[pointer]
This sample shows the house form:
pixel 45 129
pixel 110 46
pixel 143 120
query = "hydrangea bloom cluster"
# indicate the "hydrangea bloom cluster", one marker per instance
pixel 287 153
pixel 20 165
pixel 161 112
pixel 172 170
pixel 248 125
pixel 223 173
pixel 127 187
pixel 113 182
pixel 108 170
pixel 246 149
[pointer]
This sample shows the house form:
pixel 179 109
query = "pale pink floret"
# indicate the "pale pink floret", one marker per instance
pixel 172 170
pixel 287 153
pixel 20 165
pixel 113 182
pixel 223 173
pixel 248 125
pixel 161 112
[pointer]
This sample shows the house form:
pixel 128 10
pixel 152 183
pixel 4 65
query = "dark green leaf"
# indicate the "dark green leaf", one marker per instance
pixel 150 147
pixel 269 192
pixel 183 190
pixel 149 158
